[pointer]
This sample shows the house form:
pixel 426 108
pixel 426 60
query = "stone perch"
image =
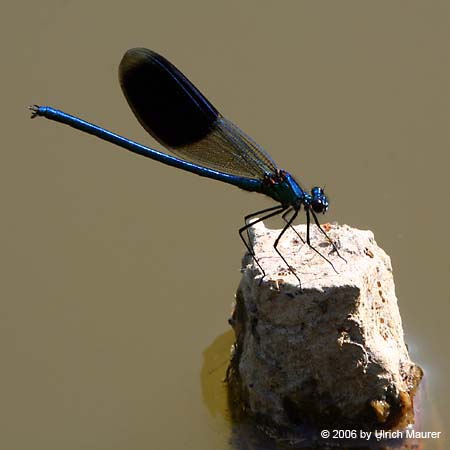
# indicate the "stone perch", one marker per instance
pixel 330 353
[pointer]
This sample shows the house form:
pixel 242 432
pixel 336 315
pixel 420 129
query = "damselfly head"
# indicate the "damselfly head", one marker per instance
pixel 319 201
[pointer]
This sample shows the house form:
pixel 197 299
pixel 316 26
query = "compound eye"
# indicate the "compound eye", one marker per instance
pixel 318 206
pixel 319 202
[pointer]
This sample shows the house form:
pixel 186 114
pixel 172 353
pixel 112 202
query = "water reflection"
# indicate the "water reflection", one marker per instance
pixel 245 435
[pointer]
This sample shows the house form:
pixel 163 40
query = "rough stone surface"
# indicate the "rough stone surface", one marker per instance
pixel 331 352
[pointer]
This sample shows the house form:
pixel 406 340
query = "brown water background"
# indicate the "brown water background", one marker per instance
pixel 118 273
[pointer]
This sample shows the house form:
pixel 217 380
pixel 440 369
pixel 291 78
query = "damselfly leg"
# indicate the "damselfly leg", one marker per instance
pixel 273 211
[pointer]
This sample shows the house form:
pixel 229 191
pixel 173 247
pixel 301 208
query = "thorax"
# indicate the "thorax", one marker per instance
pixel 283 188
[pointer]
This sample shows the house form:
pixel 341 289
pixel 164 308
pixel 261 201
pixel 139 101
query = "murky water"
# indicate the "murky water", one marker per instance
pixel 119 273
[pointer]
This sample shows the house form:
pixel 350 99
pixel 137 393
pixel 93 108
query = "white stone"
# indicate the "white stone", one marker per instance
pixel 330 352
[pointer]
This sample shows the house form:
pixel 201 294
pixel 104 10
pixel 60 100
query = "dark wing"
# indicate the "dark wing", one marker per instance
pixel 179 117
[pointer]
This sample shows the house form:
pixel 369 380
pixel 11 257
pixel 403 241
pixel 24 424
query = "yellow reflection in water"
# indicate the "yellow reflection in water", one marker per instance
pixel 215 362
